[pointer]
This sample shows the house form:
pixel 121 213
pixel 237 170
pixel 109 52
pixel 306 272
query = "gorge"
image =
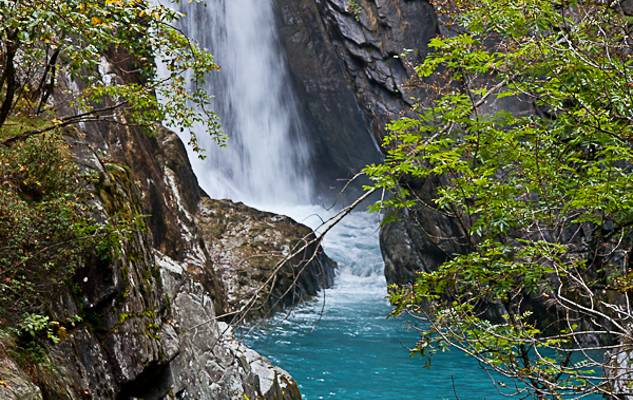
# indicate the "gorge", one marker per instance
pixel 280 158
pixel 143 260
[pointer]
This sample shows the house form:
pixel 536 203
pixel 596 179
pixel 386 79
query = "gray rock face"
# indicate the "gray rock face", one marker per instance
pixel 261 259
pixel 15 383
pixel 338 126
pixel 372 35
pixel 150 328
pixel 345 67
pixel 208 362
pixel 344 57
pixel 369 38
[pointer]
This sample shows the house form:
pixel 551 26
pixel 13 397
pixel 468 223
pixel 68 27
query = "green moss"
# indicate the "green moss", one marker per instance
pixel 354 7
pixel 153 330
pixel 43 223
pixel 123 317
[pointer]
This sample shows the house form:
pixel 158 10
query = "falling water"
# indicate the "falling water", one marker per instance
pixel 266 160
pixel 340 346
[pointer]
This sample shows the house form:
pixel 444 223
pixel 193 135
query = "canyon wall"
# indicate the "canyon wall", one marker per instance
pixel 155 317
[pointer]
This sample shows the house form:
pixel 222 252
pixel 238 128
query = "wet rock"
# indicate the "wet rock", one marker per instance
pixel 338 126
pixel 420 238
pixel 344 58
pixel 260 259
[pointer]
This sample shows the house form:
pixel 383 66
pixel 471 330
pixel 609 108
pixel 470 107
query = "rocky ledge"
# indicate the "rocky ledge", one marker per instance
pixel 266 261
pixel 150 317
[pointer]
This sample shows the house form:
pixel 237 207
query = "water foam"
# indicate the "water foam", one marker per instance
pixel 267 158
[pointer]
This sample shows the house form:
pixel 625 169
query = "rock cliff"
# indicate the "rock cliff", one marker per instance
pixel 344 58
pixel 150 317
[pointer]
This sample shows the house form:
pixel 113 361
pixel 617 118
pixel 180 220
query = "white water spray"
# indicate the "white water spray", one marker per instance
pixel 266 161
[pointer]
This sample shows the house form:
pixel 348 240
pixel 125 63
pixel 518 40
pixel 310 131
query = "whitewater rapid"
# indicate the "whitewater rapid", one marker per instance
pixel 353 243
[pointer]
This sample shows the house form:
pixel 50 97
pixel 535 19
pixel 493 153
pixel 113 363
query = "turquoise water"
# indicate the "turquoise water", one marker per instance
pixel 354 353
pixel 343 347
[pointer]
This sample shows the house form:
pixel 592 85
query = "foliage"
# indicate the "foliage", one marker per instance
pixel 355 8
pixel 101 55
pixel 34 326
pixel 529 124
pixel 46 229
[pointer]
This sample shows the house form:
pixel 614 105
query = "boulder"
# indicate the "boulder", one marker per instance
pixel 266 261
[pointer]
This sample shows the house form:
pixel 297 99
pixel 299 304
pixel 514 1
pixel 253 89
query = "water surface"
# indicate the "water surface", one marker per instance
pixel 342 346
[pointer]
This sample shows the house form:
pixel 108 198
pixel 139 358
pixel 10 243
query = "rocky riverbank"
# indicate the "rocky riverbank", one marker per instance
pixel 149 324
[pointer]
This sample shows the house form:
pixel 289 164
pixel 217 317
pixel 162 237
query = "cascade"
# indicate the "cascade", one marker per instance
pixel 341 345
pixel 266 160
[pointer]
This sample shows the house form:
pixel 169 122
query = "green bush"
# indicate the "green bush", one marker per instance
pixel 45 226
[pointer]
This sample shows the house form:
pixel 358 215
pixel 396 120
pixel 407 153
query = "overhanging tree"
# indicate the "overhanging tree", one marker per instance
pixel 545 196
pixel 67 49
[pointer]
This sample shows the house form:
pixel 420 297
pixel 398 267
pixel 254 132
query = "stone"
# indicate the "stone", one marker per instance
pixel 250 250
pixel 14 383
pixel 337 125
pixel 210 362
pixel 358 49
pixel 349 77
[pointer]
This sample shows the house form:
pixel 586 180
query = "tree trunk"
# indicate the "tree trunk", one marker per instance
pixel 9 77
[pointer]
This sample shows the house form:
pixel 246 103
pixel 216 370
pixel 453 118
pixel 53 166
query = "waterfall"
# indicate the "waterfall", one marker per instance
pixel 339 345
pixel 266 163
pixel 266 160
